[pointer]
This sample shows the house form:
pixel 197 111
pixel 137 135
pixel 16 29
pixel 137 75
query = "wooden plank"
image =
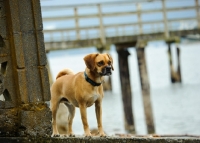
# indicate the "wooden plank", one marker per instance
pixel 114 14
pixel 118 25
pixel 72 43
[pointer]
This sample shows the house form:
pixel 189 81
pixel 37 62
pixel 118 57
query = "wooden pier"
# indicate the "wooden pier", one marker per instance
pixel 102 34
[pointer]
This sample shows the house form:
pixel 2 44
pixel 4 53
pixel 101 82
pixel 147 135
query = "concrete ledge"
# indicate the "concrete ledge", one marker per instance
pixel 100 140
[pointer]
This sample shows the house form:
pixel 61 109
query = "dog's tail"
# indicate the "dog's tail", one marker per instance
pixel 64 72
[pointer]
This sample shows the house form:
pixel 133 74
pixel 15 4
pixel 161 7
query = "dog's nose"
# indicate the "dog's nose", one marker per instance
pixel 108 68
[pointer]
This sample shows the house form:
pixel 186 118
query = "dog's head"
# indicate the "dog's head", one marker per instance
pixel 100 63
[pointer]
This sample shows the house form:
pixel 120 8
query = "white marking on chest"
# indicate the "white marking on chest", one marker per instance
pixel 92 98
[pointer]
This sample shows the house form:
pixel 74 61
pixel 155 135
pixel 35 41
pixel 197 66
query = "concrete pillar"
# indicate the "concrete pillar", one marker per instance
pixel 24 77
pixel 125 88
pixel 144 80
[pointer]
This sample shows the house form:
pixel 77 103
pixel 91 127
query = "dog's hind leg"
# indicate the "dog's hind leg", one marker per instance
pixel 71 109
pixel 54 107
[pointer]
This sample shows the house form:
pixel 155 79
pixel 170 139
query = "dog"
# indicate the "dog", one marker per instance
pixel 81 90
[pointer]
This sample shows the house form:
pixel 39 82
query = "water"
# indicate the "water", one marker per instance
pixel 176 107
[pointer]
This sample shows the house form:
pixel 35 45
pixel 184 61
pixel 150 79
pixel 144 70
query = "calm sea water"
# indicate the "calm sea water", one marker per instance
pixel 176 107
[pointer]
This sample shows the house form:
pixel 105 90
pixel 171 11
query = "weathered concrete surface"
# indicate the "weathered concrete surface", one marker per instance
pixel 9 122
pixel 35 120
pixel 99 140
pixel 24 81
pixel 26 120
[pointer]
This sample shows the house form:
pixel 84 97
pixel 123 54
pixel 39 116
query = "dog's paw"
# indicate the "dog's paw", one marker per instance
pixel 71 135
pixel 64 135
pixel 102 134
pixel 88 135
pixel 55 135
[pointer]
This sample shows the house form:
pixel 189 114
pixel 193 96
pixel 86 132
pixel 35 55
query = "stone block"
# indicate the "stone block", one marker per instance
pixel 30 49
pixel 34 88
pixel 41 49
pixel 45 83
pixel 9 122
pixel 37 14
pixel 21 73
pixel 2 104
pixel 4 52
pixel 2 10
pixel 35 120
pixel 3 32
pixel 19 51
pixel 9 84
pixel 13 14
pixel 26 15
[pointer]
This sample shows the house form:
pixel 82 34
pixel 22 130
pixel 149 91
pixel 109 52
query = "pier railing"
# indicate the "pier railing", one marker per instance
pixel 108 23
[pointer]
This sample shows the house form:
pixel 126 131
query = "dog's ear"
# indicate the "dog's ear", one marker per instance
pixel 90 61
pixel 111 61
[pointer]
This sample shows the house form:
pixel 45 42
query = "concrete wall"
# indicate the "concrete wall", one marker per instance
pixel 24 79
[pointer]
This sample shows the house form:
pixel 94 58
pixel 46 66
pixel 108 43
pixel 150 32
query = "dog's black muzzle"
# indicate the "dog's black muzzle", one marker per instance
pixel 106 71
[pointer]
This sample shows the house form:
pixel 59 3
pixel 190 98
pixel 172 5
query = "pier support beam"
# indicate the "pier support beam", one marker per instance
pixel 125 88
pixel 175 74
pixel 140 49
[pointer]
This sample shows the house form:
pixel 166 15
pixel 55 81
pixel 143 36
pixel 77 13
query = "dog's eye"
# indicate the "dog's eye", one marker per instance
pixel 109 62
pixel 101 63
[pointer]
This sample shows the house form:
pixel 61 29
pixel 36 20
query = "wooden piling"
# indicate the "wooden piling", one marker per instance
pixel 172 71
pixel 179 64
pixel 126 89
pixel 175 74
pixel 144 80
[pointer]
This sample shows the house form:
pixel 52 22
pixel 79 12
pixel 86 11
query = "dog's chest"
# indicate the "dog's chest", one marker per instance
pixel 92 98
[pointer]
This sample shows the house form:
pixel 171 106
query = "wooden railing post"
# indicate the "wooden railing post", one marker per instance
pixel 77 24
pixel 198 13
pixel 165 19
pixel 101 28
pixel 139 18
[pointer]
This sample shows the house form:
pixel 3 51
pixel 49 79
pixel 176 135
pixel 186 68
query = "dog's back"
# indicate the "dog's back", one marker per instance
pixel 64 72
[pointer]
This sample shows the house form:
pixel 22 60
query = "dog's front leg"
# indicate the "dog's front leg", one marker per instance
pixel 84 120
pixel 98 110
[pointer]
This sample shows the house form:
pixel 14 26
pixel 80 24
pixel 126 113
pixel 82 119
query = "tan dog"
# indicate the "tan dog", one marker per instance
pixel 81 90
